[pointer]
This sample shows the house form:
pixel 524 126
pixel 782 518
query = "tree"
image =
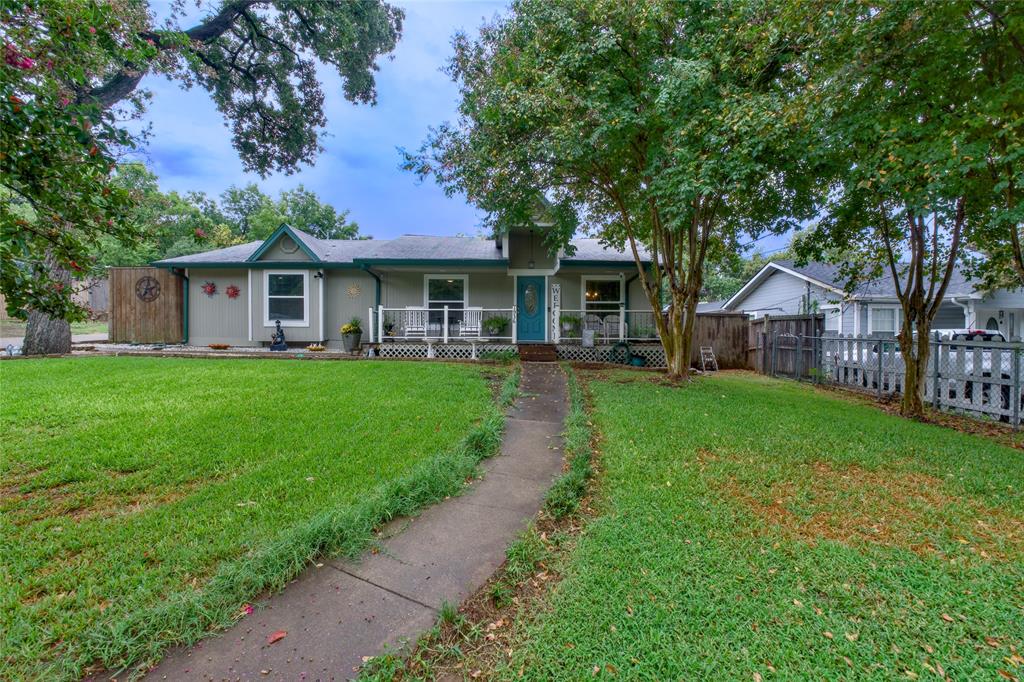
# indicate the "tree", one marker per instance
pixel 651 122
pixel 997 27
pixel 57 155
pixel 299 208
pixel 898 96
pixel 69 63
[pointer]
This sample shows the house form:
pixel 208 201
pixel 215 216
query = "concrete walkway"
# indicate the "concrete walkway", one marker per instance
pixel 17 341
pixel 340 612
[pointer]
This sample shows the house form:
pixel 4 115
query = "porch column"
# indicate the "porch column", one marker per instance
pixel 622 323
pixel 515 325
pixel 445 330
pixel 380 323
pixel 371 325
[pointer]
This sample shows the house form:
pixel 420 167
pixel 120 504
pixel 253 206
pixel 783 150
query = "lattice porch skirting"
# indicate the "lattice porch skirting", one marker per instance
pixel 441 351
pixel 654 354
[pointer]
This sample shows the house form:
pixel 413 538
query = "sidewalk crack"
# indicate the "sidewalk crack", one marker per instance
pixel 386 589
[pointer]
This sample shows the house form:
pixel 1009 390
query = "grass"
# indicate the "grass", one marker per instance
pixel 757 529
pixel 10 328
pixel 564 496
pixel 147 499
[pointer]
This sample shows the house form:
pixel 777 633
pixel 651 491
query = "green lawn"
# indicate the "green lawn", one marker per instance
pixel 9 328
pixel 130 483
pixel 752 529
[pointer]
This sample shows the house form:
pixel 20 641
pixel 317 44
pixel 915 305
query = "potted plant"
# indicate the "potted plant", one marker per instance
pixel 570 324
pixel 352 334
pixel 495 326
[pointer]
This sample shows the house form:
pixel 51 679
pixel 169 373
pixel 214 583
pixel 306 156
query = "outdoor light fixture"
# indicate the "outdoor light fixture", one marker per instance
pixel 319 274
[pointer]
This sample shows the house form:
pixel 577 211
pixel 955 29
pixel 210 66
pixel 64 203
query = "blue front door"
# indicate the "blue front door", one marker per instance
pixel 530 299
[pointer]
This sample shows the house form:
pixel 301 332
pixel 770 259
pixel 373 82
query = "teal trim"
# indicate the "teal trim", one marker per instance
pixel 441 262
pixel 376 277
pixel 283 229
pixel 261 265
pixel 599 263
pixel 184 309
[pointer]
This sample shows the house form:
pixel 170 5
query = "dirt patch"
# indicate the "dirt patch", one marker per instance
pixel 69 502
pixel 898 509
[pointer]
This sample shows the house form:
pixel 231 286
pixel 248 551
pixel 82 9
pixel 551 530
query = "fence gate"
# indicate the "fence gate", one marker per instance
pixel 146 306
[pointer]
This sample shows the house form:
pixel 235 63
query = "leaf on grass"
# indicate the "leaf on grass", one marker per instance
pixel 948 618
pixel 757 677
pixel 797 603
pixel 276 637
pixel 1006 675
pixel 827 634
pixel 992 642
pixel 852 636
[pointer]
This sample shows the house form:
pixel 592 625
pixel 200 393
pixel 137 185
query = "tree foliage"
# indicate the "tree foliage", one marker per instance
pixel 178 225
pixel 909 129
pixel 57 153
pixel 652 123
pixel 71 73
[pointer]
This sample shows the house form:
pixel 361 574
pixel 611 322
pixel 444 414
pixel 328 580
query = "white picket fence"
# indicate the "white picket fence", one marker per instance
pixel 970 377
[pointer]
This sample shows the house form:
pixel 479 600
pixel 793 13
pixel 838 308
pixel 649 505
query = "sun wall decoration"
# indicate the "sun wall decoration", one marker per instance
pixel 232 291
pixel 209 288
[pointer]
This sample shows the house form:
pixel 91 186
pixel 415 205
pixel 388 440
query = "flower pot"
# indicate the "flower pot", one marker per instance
pixel 350 342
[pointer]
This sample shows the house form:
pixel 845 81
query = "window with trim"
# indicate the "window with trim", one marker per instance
pixel 445 290
pixel 602 294
pixel 833 318
pixel 883 320
pixel 286 298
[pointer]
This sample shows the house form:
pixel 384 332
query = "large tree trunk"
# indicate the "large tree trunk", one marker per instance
pixel 45 335
pixel 915 352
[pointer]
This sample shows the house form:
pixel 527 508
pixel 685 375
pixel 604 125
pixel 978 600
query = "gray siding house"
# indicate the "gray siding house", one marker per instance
pixel 413 288
pixel 784 288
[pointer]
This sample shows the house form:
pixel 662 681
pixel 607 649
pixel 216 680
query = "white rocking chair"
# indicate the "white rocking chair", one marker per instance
pixel 414 322
pixel 472 319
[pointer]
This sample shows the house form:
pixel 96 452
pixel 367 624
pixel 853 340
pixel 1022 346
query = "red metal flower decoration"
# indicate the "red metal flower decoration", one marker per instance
pixel 232 291
pixel 209 288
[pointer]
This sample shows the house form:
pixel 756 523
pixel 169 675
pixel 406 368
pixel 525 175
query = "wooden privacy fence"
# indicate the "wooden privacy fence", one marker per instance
pixel 726 333
pixel 773 337
pixel 146 306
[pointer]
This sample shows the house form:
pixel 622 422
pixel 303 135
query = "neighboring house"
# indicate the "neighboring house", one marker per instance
pixel 413 287
pixel 784 288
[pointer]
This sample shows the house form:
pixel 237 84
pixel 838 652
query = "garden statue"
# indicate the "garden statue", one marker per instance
pixel 277 338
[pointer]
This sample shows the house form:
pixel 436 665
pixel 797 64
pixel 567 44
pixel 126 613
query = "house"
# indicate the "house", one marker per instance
pixel 785 288
pixel 413 292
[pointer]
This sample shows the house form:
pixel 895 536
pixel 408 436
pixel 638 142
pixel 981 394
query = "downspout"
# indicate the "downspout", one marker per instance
pixel 184 308
pixel 968 323
pixel 376 277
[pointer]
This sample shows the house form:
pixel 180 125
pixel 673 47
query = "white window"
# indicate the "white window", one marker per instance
pixel 286 298
pixel 883 320
pixel 446 290
pixel 602 294
pixel 833 318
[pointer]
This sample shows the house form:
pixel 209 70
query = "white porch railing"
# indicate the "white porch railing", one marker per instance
pixel 606 325
pixel 442 325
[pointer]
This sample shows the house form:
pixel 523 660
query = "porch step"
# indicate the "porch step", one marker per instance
pixel 537 352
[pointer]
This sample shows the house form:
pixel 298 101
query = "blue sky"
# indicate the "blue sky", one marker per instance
pixel 358 170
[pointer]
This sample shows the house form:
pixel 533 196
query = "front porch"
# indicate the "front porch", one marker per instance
pixel 477 325
pixel 472 333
